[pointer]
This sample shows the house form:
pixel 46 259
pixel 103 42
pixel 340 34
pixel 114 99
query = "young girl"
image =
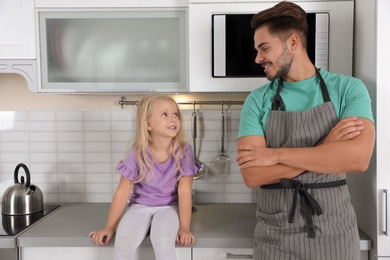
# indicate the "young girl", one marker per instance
pixel 156 185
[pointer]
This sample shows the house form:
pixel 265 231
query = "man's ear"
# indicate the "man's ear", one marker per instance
pixel 293 41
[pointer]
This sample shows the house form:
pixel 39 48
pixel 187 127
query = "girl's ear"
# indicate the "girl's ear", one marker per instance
pixel 148 126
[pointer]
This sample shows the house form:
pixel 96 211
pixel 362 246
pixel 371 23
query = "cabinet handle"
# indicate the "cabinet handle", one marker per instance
pixel 238 256
pixel 387 213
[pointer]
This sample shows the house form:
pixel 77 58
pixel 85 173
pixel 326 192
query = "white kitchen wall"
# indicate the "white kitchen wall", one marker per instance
pixel 71 154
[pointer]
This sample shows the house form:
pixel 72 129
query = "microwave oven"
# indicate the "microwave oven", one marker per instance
pixel 221 49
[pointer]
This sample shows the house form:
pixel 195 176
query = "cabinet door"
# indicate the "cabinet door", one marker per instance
pixel 91 253
pixel 111 51
pixel 64 253
pixel 238 253
pixel 17 40
pixel 108 3
pixel 147 253
pixel 222 253
pixel 383 127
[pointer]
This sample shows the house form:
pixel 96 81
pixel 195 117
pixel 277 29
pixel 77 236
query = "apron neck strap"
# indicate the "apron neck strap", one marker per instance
pixel 277 103
pixel 324 89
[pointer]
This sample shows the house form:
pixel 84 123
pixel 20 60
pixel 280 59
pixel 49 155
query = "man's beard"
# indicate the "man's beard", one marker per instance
pixel 286 61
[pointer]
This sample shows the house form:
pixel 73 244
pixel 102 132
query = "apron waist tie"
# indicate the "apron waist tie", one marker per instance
pixel 310 204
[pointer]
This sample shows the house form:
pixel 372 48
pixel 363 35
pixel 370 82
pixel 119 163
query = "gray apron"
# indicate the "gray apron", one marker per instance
pixel 309 217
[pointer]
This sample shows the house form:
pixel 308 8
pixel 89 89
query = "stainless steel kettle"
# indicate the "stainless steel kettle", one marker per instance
pixel 22 198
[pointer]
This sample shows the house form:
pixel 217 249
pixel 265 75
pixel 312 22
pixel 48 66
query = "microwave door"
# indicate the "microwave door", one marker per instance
pixel 233 47
pixel 233 52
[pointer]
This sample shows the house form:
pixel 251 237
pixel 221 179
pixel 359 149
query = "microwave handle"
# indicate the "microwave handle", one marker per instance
pixel 387 213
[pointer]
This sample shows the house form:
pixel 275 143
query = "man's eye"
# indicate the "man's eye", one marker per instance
pixel 264 49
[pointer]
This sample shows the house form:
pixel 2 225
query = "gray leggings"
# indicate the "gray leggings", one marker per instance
pixel 134 226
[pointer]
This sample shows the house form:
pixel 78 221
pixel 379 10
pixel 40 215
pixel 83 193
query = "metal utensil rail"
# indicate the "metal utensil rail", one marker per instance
pixel 123 102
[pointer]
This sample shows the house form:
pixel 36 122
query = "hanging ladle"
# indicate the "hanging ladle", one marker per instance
pixel 201 170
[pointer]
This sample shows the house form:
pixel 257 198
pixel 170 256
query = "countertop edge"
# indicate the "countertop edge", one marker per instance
pixel 49 232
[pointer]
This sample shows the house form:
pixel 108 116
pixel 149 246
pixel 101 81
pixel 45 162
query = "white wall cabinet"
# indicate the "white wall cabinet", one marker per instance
pixel 91 253
pixel 17 20
pixel 108 3
pixel 121 50
pixel 17 34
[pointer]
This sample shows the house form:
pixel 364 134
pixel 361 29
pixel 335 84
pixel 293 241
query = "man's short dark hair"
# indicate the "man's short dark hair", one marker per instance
pixel 283 19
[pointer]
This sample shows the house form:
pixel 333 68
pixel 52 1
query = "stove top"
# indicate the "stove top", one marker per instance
pixel 12 225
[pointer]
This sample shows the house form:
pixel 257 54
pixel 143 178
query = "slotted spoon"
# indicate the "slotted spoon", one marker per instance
pixel 222 161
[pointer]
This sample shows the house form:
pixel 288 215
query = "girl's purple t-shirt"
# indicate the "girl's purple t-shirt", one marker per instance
pixel 162 189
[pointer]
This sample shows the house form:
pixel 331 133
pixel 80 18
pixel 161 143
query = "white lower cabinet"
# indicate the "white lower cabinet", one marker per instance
pixel 237 253
pixel 91 253
pixel 144 253
pixel 221 253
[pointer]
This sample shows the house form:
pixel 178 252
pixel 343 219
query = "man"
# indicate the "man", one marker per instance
pixel 299 135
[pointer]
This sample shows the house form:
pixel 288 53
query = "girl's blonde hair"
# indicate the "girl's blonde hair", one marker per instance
pixel 143 137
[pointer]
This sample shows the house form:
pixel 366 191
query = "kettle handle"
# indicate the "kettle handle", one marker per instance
pixel 16 178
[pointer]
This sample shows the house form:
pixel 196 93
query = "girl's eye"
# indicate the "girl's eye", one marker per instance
pixel 175 114
pixel 164 114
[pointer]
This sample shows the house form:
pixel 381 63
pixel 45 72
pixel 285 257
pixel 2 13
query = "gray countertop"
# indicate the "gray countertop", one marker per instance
pixel 214 225
pixel 7 242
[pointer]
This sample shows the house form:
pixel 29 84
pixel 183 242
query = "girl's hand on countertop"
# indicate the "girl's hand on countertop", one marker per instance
pixel 102 237
pixel 185 237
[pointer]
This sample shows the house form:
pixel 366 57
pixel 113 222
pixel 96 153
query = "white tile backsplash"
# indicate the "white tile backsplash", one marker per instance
pixel 9 125
pixel 14 157
pixel 69 116
pixel 71 178
pixel 36 147
pixel 42 136
pixel 13 146
pixel 17 136
pixel 71 155
pixel 97 136
pixel 96 116
pixel 70 126
pixel 97 178
pixel 43 157
pixel 70 136
pixel 97 126
pixel 97 147
pixel 41 116
pixel 40 126
pixel 70 147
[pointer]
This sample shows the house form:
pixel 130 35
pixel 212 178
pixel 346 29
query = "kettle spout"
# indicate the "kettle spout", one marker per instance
pixel 31 190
